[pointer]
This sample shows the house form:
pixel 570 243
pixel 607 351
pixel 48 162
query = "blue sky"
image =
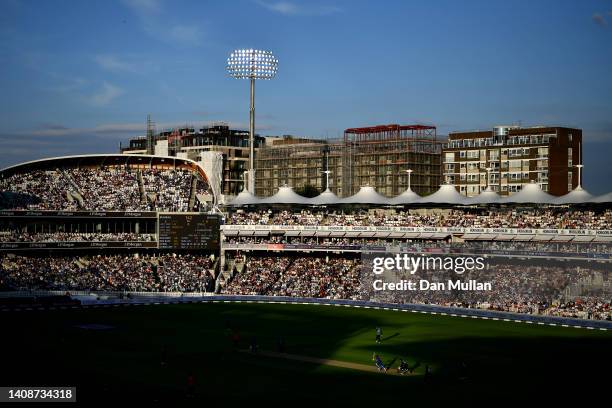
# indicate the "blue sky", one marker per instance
pixel 80 76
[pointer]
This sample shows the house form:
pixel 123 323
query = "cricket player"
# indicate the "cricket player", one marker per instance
pixel 379 363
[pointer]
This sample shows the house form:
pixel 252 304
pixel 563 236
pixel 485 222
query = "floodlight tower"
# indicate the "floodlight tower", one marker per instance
pixel 252 64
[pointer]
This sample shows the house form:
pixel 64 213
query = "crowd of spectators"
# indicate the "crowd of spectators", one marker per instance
pixel 258 276
pixel 107 189
pixel 101 189
pixel 333 278
pixel 546 288
pixel 41 190
pixel 17 236
pixel 553 289
pixel 165 273
pixel 543 218
pixel 175 189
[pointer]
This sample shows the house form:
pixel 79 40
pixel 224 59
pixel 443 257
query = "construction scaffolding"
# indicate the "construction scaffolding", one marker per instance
pixel 379 156
pixel 375 156
pixel 293 162
pixel 150 136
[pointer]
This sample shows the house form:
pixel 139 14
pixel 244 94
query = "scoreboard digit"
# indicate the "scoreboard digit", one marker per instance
pixel 188 231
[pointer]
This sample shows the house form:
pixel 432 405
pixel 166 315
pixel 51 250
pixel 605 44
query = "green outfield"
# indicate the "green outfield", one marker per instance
pixel 116 353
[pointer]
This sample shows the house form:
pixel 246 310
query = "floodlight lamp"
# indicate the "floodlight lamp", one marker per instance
pixel 252 64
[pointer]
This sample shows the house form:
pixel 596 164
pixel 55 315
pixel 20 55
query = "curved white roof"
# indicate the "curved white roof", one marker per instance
pixel 576 196
pixel 245 198
pixel 606 198
pixel 407 197
pixel 326 197
pixel 447 194
pixel 365 195
pixel 285 195
pixel 485 197
pixel 530 193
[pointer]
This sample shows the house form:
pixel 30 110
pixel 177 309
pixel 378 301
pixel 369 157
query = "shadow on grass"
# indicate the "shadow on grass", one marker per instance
pixel 469 358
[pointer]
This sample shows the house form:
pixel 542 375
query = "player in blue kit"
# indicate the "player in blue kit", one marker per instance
pixel 379 363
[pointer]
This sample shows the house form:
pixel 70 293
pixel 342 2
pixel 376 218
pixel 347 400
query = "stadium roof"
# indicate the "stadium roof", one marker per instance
pixel 447 194
pixel 530 193
pixel 365 195
pixel 486 197
pixel 285 195
pixel 576 196
pixel 245 198
pixel 606 198
pixel 326 197
pixel 407 197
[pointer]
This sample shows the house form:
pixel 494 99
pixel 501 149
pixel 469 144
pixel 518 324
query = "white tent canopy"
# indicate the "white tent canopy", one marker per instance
pixel 530 193
pixel 407 197
pixel 485 197
pixel 285 195
pixel 326 197
pixel 576 196
pixel 245 198
pixel 365 195
pixel 606 198
pixel 447 194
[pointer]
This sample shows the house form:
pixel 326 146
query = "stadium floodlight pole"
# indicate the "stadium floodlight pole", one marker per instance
pixel 252 64
pixel 409 171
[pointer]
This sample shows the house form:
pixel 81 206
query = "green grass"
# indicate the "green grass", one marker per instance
pixel 503 359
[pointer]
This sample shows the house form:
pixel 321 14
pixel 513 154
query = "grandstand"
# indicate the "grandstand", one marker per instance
pixel 561 245
pixel 135 224
pixel 105 183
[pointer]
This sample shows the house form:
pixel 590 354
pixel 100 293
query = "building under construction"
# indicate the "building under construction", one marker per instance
pixel 375 156
pixel 190 142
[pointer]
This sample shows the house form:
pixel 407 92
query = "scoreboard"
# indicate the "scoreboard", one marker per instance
pixel 188 231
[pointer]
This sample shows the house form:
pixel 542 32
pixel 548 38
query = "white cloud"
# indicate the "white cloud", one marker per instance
pixel 106 94
pixel 68 85
pixel 156 22
pixel 186 34
pixel 289 8
pixel 114 63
